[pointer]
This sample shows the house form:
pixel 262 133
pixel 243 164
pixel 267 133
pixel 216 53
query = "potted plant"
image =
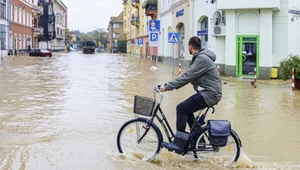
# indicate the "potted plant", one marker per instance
pixel 286 67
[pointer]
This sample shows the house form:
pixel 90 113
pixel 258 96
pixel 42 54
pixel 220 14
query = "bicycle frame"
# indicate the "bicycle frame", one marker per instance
pixel 164 122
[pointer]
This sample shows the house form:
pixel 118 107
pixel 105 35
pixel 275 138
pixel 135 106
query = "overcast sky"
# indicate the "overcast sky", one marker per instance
pixel 83 15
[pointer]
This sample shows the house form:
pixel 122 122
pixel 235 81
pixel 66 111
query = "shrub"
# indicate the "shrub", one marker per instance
pixel 289 63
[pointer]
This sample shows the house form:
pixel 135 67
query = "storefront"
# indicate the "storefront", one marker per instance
pixel 246 39
pixel 181 24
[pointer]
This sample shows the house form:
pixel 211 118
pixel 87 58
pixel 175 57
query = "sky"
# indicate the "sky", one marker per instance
pixel 83 15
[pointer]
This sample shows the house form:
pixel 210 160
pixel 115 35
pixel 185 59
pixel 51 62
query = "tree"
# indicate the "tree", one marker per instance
pixel 122 46
pixel 68 36
pixel 99 35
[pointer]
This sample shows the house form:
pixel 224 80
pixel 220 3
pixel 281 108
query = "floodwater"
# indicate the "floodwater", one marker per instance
pixel 64 113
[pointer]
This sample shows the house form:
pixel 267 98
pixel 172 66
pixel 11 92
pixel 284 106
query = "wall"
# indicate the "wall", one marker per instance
pixel 293 28
pixel 248 4
pixel 185 19
pixel 166 26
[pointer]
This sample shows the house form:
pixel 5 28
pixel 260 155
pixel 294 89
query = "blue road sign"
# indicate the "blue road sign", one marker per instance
pixel 173 37
pixel 154 25
pixel 153 39
pixel 140 42
pixel 202 32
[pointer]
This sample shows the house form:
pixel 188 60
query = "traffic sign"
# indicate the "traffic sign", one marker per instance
pixel 154 25
pixel 140 42
pixel 173 37
pixel 153 39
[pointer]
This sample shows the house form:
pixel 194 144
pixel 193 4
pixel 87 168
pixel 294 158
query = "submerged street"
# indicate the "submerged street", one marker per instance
pixel 65 112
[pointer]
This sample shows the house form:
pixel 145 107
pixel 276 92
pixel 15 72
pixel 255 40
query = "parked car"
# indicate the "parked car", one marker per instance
pixel 88 47
pixel 40 53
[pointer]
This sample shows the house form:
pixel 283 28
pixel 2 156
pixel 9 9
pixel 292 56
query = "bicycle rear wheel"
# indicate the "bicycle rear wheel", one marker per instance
pixel 139 138
pixel 223 155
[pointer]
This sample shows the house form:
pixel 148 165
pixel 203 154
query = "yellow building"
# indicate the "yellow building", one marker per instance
pixel 135 26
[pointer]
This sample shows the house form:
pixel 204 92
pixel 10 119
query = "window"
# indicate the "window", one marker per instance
pixel 204 26
pixel 116 25
pixel 24 19
pixel 16 14
pixel 20 16
pixel 3 9
pixel 2 36
pixel 116 35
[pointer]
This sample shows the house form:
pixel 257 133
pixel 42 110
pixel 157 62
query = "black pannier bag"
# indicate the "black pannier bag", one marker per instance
pixel 218 131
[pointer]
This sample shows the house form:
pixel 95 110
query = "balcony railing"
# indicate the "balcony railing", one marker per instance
pixel 38 31
pixel 135 21
pixel 135 3
pixel 38 10
pixel 150 7
pixel 59 37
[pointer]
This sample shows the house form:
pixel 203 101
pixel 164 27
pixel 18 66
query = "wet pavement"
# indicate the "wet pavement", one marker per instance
pixel 64 113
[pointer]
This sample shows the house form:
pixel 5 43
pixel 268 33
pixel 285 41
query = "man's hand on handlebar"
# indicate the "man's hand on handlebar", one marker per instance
pixel 161 88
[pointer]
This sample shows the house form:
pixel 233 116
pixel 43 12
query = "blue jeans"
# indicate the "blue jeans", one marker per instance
pixel 186 109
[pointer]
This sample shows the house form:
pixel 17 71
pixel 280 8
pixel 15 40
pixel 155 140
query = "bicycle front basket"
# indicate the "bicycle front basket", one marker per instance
pixel 143 105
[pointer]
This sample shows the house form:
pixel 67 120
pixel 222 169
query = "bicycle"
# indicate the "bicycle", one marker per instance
pixel 200 140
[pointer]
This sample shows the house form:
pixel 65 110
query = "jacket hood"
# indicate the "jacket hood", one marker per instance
pixel 208 53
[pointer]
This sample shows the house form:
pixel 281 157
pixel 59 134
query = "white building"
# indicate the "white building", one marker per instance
pixel 5 30
pixel 166 23
pixel 248 34
pixel 60 12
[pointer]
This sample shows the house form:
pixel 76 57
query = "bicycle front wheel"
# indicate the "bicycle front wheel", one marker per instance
pixel 139 138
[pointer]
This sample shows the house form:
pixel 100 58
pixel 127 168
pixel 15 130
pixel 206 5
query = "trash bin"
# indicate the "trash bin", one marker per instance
pixel 274 73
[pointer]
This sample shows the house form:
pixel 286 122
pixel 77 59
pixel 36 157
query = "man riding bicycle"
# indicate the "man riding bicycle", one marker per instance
pixel 204 76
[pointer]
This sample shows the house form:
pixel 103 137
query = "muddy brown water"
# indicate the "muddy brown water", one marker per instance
pixel 64 113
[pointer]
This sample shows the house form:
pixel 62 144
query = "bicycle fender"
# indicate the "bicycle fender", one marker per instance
pixel 160 136
pixel 237 136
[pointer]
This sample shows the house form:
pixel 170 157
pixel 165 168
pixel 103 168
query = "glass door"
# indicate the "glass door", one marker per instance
pixel 247 55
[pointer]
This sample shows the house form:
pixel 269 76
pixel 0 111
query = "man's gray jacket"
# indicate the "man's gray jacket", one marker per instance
pixel 204 76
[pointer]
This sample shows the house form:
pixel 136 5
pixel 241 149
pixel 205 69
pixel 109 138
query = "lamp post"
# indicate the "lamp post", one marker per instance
pixel 99 36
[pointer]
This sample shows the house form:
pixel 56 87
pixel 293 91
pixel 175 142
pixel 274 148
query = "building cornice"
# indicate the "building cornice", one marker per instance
pixel 27 3
pixel 177 4
pixel 61 4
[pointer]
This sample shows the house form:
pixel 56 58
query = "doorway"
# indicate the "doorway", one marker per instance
pixel 247 55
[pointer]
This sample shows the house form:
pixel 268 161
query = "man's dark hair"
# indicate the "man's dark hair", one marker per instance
pixel 195 42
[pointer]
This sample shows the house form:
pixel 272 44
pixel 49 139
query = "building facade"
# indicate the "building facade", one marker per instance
pixel 38 31
pixel 116 33
pixel 5 27
pixel 245 35
pixel 21 25
pixel 47 22
pixel 60 12
pixel 137 14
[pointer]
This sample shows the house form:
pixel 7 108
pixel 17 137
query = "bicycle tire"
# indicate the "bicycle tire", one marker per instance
pixel 234 136
pixel 152 125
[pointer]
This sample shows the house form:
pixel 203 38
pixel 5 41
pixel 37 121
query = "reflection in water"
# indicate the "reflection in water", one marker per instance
pixel 64 112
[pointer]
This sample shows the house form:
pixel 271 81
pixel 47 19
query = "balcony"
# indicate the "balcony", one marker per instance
pixel 59 37
pixel 135 21
pixel 38 31
pixel 135 3
pixel 124 2
pixel 150 7
pixel 248 4
pixel 38 11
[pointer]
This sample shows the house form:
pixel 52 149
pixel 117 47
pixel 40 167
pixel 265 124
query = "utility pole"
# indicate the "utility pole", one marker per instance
pixel 99 30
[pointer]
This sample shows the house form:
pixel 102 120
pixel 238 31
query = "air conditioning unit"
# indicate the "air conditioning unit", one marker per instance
pixel 219 30
pixel 219 22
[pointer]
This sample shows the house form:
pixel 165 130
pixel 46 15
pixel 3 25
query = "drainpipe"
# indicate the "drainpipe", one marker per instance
pixel 208 25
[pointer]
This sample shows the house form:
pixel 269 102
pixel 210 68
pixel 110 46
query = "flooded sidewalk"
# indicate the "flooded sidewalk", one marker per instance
pixel 64 112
